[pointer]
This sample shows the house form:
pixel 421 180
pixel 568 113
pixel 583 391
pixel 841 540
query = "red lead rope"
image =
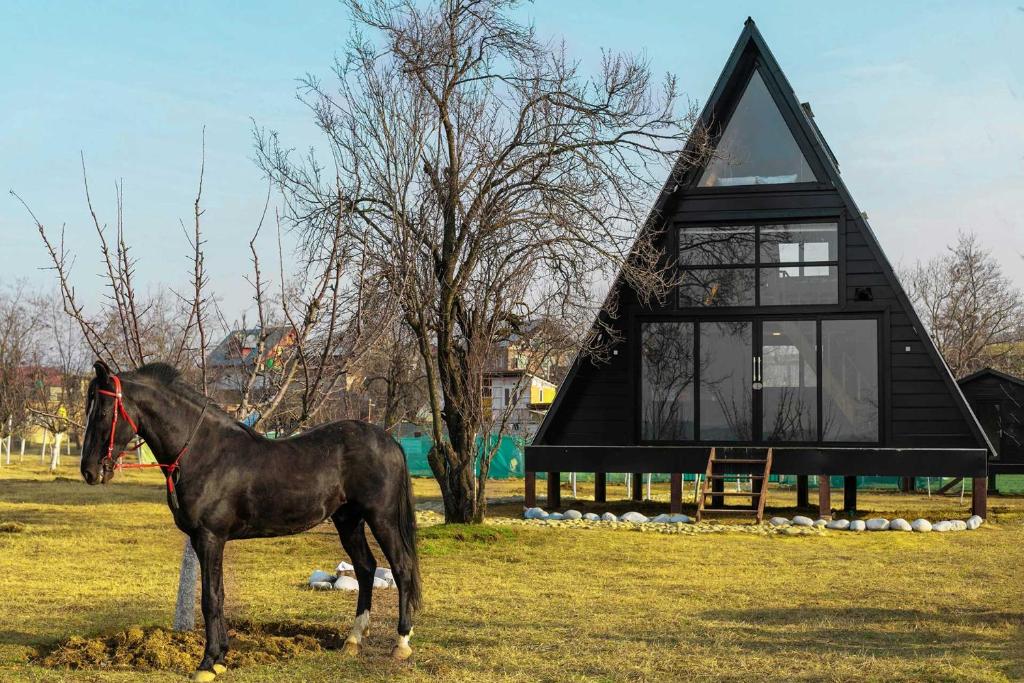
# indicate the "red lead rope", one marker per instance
pixel 120 411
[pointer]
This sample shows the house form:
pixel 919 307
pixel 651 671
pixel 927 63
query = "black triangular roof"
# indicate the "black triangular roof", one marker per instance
pixel 751 51
pixel 991 372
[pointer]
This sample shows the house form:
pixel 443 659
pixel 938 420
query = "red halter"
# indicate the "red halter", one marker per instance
pixel 119 410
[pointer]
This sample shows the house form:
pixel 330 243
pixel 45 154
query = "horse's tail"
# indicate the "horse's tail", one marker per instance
pixel 407 531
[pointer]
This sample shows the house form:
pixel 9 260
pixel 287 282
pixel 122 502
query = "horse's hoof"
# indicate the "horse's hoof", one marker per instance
pixel 203 676
pixel 401 652
pixel 219 669
pixel 351 648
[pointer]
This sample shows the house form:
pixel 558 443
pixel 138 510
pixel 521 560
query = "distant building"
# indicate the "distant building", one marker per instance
pixel 526 396
pixel 231 363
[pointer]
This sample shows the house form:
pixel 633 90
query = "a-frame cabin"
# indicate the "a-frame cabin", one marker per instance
pixel 789 330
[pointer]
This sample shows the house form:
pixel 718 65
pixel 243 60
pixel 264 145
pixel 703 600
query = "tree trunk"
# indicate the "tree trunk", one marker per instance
pixel 185 607
pixel 55 453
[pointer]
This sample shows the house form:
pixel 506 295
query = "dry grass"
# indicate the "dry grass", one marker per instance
pixel 538 604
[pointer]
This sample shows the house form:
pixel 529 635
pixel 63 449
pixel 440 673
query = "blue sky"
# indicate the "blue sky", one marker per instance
pixel 922 102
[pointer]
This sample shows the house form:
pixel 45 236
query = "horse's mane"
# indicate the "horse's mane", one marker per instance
pixel 168 376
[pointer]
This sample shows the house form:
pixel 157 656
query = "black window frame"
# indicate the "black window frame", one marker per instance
pixel 838 263
pixel 820 313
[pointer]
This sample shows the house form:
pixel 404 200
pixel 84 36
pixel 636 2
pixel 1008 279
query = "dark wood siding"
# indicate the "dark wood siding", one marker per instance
pixel 923 411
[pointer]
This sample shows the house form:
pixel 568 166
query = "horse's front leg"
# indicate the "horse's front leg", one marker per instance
pixel 210 549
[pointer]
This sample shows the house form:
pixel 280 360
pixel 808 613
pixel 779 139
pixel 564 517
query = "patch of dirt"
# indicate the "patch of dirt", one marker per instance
pixel 11 527
pixel 156 648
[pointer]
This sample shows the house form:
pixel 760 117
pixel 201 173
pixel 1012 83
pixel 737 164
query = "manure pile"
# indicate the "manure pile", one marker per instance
pixel 156 648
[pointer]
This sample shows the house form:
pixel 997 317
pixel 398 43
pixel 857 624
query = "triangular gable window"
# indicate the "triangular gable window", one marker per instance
pixel 757 147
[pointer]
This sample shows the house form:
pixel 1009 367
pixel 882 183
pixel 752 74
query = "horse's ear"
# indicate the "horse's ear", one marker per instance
pixel 102 371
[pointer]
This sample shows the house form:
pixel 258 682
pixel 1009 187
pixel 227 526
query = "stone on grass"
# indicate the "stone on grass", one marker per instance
pixel 572 514
pixel 877 524
pixel 346 583
pixel 974 521
pixel 942 526
pixel 921 525
pixel 820 523
pixel 633 517
pixel 858 525
pixel 958 525
pixel 900 524
pixel 661 519
pixel 591 517
pixel 318 576
pixel 778 521
pixel 343 568
pixel 555 516
pixel 800 520
pixel 382 583
pixel 384 573
pixel 609 517
pixel 838 524
pixel 322 585
pixel 535 513
pixel 675 519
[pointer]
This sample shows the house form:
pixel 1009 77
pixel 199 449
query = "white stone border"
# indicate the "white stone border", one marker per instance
pixel 872 524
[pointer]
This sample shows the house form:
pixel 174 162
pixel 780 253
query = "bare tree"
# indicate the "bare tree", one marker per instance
pixel 971 309
pixel 21 323
pixel 486 180
pixel 393 378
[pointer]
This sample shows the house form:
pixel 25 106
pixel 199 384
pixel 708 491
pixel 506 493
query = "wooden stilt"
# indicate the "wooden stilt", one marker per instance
pixel 600 487
pixel 802 488
pixel 824 497
pixel 637 492
pixel 850 494
pixel 979 496
pixel 675 505
pixel 530 492
pixel 554 490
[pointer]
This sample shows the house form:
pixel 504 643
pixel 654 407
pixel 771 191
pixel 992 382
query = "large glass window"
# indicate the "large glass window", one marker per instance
pixel 718 287
pixel 757 147
pixel 726 366
pixel 789 380
pixel 667 366
pixel 849 375
pixel 767 265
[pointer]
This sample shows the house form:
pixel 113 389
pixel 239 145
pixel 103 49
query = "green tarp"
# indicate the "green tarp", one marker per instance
pixel 507 462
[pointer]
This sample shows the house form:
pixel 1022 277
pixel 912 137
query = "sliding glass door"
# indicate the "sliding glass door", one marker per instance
pixel 725 374
pixel 789 380
pixel 807 380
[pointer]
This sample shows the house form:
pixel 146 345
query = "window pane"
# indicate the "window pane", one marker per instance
pixel 757 147
pixel 789 392
pixel 725 381
pixel 718 246
pixel 799 242
pixel 667 381
pixel 721 287
pixel 849 372
pixel 791 285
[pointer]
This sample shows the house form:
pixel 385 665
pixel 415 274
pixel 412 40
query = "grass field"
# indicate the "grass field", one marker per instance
pixel 540 604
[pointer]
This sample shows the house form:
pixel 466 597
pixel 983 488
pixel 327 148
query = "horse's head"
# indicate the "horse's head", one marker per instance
pixel 108 429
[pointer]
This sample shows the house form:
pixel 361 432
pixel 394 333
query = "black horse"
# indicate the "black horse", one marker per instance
pixel 226 481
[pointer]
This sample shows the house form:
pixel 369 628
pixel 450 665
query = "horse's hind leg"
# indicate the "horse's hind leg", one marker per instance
pixel 351 531
pixel 389 538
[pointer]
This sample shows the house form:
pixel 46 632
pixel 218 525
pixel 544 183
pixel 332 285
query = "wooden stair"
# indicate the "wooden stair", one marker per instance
pixel 721 468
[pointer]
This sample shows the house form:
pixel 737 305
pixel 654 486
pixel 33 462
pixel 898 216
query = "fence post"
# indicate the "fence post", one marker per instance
pixel 185 605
